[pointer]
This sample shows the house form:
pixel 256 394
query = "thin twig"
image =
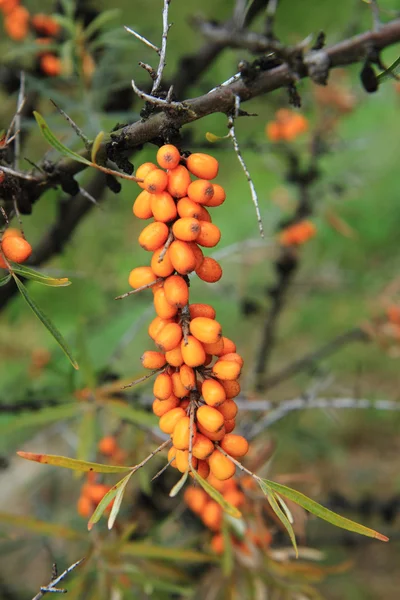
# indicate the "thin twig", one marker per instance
pixel 141 379
pixel 20 104
pixel 169 241
pixel 158 101
pixel 150 456
pixel 74 126
pixel 161 64
pixel 140 289
pixel 51 587
pixel 18 174
pixel 149 69
pixel 375 15
pixel 142 39
pixel 161 471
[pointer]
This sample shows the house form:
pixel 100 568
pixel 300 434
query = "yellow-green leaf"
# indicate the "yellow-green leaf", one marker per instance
pixel 86 434
pixel 107 498
pixel 40 527
pixel 72 463
pixel 46 322
pixel 178 486
pixel 39 277
pixel 264 485
pixel 227 557
pixel 55 143
pixel 118 500
pixel 96 145
pixel 324 513
pixel 212 138
pixel 133 415
pixel 215 495
pixel 41 417
pixel 145 550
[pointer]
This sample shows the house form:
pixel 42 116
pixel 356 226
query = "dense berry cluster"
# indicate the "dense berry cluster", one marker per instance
pixel 198 368
pixel 14 247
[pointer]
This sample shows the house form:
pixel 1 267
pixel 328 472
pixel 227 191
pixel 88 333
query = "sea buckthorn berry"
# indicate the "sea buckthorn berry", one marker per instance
pixel 232 388
pixel 174 357
pixel 178 181
pixel 205 215
pixel 142 206
pixel 226 370
pixel 203 166
pixel 198 254
pixel 171 457
pixel 209 270
pixel 235 445
pixel 230 425
pixel 141 276
pixel 216 348
pixel 96 492
pixel 212 515
pixel 217 543
pixel 228 409
pixel 162 268
pixel 218 197
pixel 153 360
pixel 235 497
pixel 210 418
pixel 189 208
pixel 214 436
pixel 209 359
pixel 185 403
pixel 161 407
pixel 235 357
pixel 156 181
pixel 181 434
pixel 176 291
pixel 169 337
pixel 11 232
pixel 200 191
pixel 182 257
pixel 203 447
pixel 84 507
pixel 170 419
pixel 157 325
pixel 216 483
pixel 202 469
pixel 16 23
pixel 186 229
pixel 213 392
pixel 162 388
pixel 193 352
pixel 45 24
pixel 153 236
pixel 229 346
pixel 163 207
pixel 162 307
pixel 221 466
pixel 179 389
pixel 2 263
pixel 168 156
pixel 209 235
pixel 143 171
pixel 8 6
pixel 195 498
pixel 206 330
pixel 50 64
pixel 108 445
pixel 188 377
pixel 182 460
pixel 16 248
pixel 157 286
pixel 202 310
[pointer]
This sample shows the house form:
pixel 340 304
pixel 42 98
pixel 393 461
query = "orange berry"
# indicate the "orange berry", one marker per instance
pixel 181 434
pixel 143 171
pixel 84 507
pixel 273 131
pixel 45 25
pixel 209 235
pixel 186 229
pixel 235 445
pixel 198 254
pixel 157 325
pixel 217 543
pixel 142 206
pixel 153 360
pixel 168 156
pixel 169 337
pixel 162 307
pixel 226 370
pixel 162 388
pixel 188 377
pixel 155 181
pixel 162 268
pixel 209 359
pixel 174 357
pixel 182 257
pixel 230 425
pixel 171 456
pixel 209 270
pixel 157 286
pixel 16 23
pixel 196 498
pixel 235 498
pixel 161 407
pixel 201 310
pixel 218 197
pixel 210 418
pixel 2 263
pixel 153 236
pixel 203 447
pixel 200 191
pixel 189 208
pixel 232 388
pixel 228 409
pixel 178 181
pixel 169 420
pixel 179 389
pixel 221 466
pixel 193 352
pixel 216 483
pixel 215 348
pixel 16 249
pixel 213 392
pixel 50 64
pixel 176 291
pixel 235 357
pixel 212 515
pixel 182 460
pixel 202 469
pixel 206 330
pixel 11 232
pixel 185 403
pixel 203 166
pixel 163 206
pixel 229 346
pixel 108 445
pixel 96 492
pixel 8 6
pixel 141 276
pixel 214 436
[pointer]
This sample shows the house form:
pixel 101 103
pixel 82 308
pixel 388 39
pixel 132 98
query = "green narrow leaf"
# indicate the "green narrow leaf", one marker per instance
pixel 391 72
pixel 323 513
pixel 146 550
pixel 212 138
pixel 133 415
pixel 46 322
pixel 107 498
pixel 39 277
pixel 215 495
pixel 227 557
pixel 53 141
pixel 66 23
pixel 40 527
pixel 86 365
pixel 264 485
pixel 5 280
pixel 118 500
pixel 41 417
pixel 72 463
pixel 102 19
pixel 178 486
pixel 96 145
pixel 86 434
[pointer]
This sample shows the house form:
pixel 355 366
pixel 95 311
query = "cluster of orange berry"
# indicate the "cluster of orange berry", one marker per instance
pixel 198 368
pixel 13 247
pixel 287 126
pixel 297 234
pixel 17 22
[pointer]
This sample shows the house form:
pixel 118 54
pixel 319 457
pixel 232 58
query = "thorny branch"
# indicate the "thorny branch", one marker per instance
pixel 163 50
pixel 51 587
